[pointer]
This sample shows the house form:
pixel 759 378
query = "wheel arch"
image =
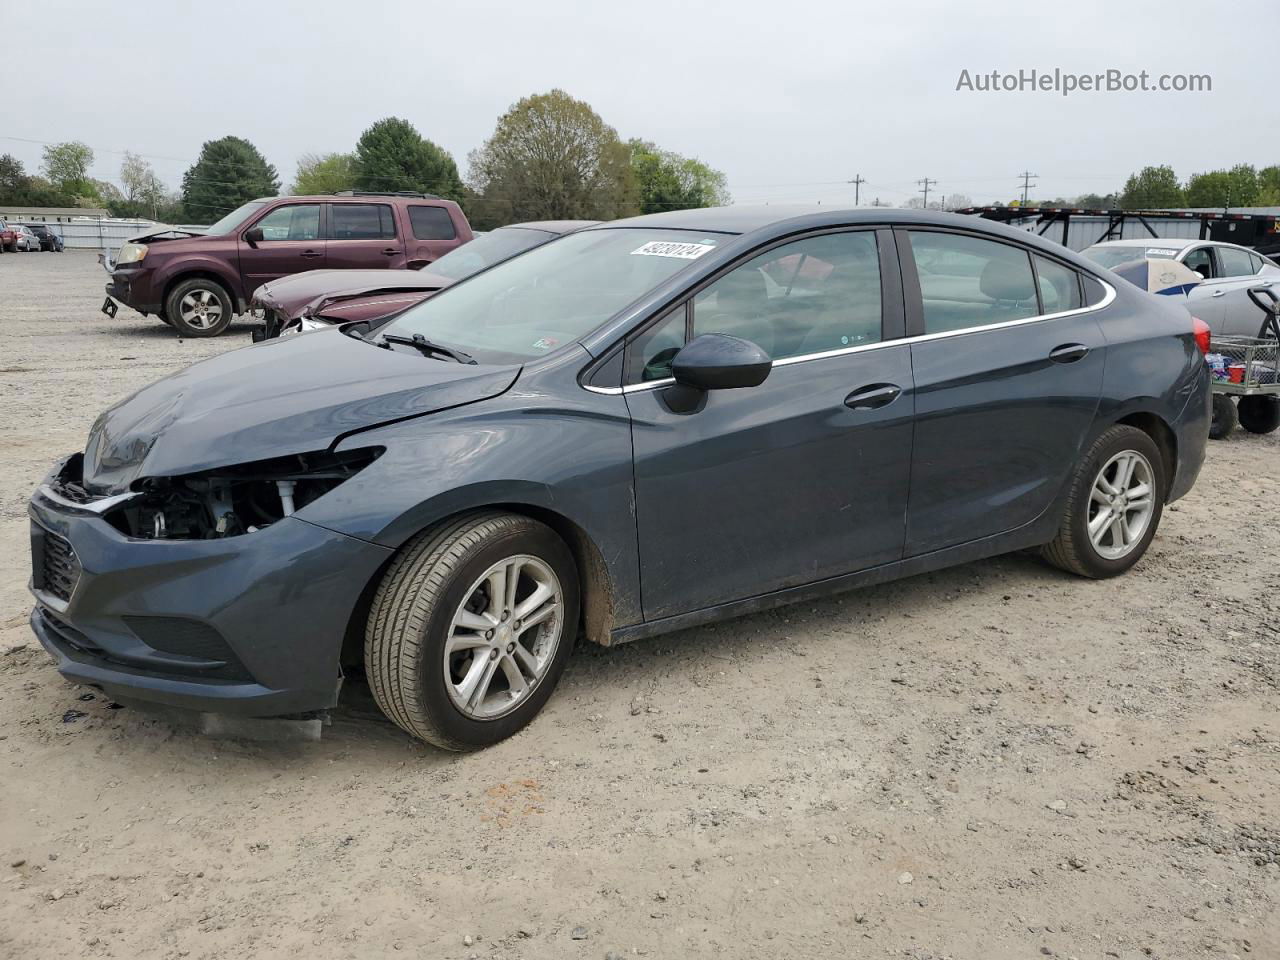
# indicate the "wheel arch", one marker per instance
pixel 596 588
pixel 1166 441
pixel 201 273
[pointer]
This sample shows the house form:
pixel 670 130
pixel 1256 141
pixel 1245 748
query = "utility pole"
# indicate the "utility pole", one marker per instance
pixel 927 183
pixel 857 182
pixel 944 201
pixel 1026 184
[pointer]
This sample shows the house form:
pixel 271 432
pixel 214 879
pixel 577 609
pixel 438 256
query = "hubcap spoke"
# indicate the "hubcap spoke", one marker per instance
pixel 1124 494
pixel 503 637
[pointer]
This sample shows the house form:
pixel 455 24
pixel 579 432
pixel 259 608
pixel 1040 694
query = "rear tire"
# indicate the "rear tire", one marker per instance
pixel 1113 508
pixel 198 308
pixel 1259 414
pixel 447 654
pixel 1224 417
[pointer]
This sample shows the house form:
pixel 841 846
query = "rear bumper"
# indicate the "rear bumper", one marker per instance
pixel 251 625
pixel 1192 431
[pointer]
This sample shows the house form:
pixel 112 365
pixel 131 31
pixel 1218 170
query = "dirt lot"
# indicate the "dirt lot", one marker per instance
pixel 995 761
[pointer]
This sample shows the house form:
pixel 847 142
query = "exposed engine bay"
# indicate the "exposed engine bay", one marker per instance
pixel 226 501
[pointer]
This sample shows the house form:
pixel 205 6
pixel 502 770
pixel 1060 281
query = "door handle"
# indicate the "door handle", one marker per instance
pixel 309 254
pixel 1068 353
pixel 1219 293
pixel 874 397
pixel 390 252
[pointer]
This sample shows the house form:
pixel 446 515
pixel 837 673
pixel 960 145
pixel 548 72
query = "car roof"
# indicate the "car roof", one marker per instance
pixel 551 226
pixel 749 218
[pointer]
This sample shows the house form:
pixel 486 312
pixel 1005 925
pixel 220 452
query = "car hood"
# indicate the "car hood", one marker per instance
pixel 290 294
pixel 273 399
pixel 164 232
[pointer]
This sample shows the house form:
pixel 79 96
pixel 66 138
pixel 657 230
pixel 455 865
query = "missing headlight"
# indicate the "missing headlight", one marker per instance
pixel 232 501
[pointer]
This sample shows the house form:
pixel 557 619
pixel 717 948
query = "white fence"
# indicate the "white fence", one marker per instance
pixel 92 233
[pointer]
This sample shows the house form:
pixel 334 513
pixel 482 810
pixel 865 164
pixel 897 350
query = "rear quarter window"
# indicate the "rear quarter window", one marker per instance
pixel 1094 291
pixel 431 223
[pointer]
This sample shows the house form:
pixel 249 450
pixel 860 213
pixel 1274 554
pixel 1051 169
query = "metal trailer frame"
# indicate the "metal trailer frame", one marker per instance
pixel 1266 227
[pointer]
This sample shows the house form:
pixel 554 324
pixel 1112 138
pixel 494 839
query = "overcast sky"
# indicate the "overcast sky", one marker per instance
pixel 790 100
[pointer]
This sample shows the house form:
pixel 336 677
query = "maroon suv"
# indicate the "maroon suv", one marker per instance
pixel 197 280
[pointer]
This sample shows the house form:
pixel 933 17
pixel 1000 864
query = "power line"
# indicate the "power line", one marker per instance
pixel 1026 184
pixel 857 182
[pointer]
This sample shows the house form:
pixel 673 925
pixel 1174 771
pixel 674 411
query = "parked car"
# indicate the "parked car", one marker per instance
pixel 49 238
pixel 25 240
pixel 8 237
pixel 1222 300
pixel 639 427
pixel 318 298
pixel 198 280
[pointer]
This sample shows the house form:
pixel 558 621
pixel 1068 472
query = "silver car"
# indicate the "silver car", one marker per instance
pixel 27 240
pixel 1229 271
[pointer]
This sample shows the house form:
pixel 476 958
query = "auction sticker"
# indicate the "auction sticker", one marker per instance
pixel 1159 252
pixel 668 248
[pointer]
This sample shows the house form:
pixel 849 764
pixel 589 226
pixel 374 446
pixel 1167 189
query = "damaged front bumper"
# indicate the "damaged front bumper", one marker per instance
pixel 252 625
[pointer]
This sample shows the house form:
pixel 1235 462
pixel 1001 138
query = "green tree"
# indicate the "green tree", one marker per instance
pixel 1237 187
pixel 328 173
pixel 1269 186
pixel 1152 187
pixel 1096 201
pixel 67 164
pixel 552 157
pixel 227 173
pixel 143 192
pixel 391 155
pixel 668 181
pixel 13 179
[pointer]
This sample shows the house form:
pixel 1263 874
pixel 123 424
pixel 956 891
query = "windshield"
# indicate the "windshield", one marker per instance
pixel 503 244
pixel 234 218
pixel 1114 256
pixel 553 295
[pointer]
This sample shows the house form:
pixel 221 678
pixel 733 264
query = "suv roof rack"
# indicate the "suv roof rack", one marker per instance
pixel 387 193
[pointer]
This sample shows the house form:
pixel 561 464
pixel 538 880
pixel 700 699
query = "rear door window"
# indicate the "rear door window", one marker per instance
pixel 968 281
pixel 1235 263
pixel 1059 286
pixel 361 221
pixel 431 223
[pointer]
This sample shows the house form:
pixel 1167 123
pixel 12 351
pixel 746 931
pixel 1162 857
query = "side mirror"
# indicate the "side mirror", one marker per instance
pixel 253 236
pixel 715 361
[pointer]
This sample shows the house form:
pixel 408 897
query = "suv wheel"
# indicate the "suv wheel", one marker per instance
pixel 198 308
pixel 471 628
pixel 1114 506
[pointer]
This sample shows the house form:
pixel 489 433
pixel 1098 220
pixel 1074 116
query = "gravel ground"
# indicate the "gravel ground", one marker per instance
pixel 999 760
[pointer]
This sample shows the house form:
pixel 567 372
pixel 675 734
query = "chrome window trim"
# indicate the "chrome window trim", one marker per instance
pixel 1108 298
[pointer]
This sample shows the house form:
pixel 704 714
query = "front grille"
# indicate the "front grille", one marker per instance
pixel 190 638
pixel 58 569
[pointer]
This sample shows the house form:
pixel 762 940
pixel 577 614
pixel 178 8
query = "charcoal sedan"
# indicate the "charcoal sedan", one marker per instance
pixel 638 427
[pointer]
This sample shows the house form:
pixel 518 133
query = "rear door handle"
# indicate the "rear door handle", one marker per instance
pixel 1068 353
pixel 1219 293
pixel 873 397
pixel 309 254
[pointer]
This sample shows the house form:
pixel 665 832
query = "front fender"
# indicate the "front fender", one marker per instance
pixel 167 273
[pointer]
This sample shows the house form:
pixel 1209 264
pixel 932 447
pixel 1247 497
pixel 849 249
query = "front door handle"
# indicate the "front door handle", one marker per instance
pixel 390 252
pixel 873 397
pixel 1219 293
pixel 1068 353
pixel 309 254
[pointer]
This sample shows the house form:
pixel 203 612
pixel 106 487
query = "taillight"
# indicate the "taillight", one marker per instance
pixel 1202 334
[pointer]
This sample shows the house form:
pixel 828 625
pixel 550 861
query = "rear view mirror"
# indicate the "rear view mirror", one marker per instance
pixel 715 361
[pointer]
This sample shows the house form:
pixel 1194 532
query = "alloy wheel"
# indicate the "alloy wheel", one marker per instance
pixel 503 637
pixel 1121 504
pixel 200 309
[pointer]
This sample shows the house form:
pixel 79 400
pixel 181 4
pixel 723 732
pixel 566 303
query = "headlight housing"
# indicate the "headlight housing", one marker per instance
pixel 131 253
pixel 235 500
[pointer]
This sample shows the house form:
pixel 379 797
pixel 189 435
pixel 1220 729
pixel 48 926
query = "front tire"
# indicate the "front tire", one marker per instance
pixel 1259 414
pixel 471 628
pixel 198 308
pixel 1113 508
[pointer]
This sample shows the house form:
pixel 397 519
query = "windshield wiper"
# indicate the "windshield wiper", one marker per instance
pixel 426 347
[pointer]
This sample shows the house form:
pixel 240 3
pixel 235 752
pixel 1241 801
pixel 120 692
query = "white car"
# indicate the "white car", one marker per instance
pixel 1229 271
pixel 27 241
